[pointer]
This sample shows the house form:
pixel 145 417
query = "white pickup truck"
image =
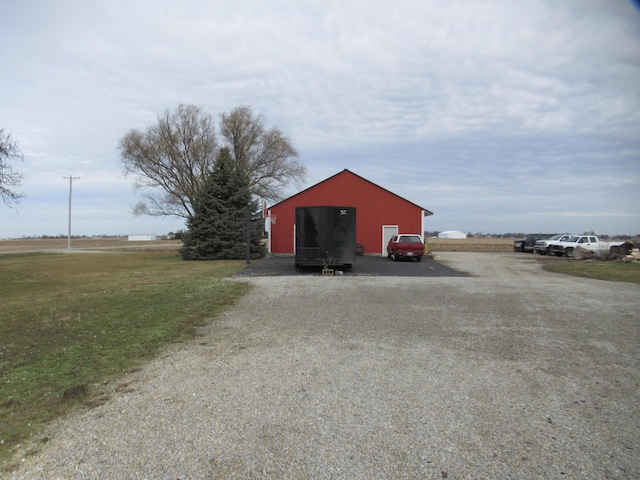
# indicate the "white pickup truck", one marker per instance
pixel 543 247
pixel 588 242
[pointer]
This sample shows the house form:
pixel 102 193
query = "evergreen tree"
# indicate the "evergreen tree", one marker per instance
pixel 217 228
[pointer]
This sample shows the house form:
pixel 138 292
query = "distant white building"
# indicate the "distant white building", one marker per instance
pixel 452 234
pixel 142 237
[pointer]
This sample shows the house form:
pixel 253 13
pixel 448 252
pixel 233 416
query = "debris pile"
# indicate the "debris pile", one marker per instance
pixel 585 254
pixel 621 251
pixel 634 256
pixel 618 252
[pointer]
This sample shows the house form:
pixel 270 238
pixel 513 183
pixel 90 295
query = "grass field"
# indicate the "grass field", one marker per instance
pixel 598 270
pixel 82 243
pixel 470 244
pixel 71 322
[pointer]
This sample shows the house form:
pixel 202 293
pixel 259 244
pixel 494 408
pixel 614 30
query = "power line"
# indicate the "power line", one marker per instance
pixel 71 179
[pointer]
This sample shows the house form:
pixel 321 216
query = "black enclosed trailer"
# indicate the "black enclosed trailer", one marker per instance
pixel 325 236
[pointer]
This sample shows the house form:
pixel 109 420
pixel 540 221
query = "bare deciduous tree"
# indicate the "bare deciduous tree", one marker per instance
pixel 9 180
pixel 171 160
pixel 173 157
pixel 266 154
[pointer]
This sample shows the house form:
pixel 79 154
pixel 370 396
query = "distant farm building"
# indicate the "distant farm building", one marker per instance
pixel 142 237
pixel 452 234
pixel 380 214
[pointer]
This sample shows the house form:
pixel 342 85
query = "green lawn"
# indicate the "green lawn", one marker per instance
pixel 612 271
pixel 69 323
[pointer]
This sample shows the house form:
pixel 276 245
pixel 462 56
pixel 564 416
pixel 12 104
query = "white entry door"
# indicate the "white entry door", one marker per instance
pixel 388 231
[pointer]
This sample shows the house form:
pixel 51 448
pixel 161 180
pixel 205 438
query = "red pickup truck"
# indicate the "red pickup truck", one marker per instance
pixel 406 246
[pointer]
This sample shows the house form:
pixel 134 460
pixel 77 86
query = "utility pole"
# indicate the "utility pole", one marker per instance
pixel 71 179
pixel 248 236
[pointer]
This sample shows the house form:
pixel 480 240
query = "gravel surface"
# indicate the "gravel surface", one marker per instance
pixel 511 372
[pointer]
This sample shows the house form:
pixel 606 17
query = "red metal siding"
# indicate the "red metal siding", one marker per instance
pixel 375 207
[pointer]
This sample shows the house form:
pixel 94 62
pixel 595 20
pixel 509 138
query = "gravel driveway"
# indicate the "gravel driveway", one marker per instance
pixel 510 372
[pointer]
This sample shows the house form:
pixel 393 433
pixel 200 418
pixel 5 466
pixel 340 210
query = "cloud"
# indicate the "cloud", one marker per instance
pixel 475 110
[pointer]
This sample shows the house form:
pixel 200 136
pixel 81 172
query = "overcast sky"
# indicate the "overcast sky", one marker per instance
pixel 497 116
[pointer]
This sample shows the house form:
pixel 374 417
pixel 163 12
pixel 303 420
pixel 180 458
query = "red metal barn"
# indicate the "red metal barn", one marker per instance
pixel 380 213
